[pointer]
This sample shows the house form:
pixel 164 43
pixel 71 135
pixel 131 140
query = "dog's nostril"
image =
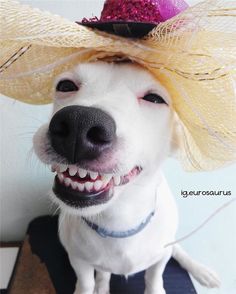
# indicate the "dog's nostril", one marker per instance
pixel 98 135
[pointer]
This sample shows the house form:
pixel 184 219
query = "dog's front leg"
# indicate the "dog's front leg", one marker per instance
pixel 154 276
pixel 85 276
pixel 102 283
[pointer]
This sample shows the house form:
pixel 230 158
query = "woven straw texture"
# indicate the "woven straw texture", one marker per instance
pixel 193 55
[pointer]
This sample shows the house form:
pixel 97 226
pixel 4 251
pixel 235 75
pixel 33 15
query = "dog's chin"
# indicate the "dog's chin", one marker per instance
pixel 86 211
pixel 81 192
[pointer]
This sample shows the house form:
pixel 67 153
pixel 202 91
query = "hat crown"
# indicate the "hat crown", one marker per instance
pixel 151 11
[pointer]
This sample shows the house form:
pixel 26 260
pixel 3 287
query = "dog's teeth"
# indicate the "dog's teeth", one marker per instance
pixel 67 182
pixel 63 168
pixel 93 175
pixel 117 180
pixel 106 178
pixel 80 187
pixel 82 173
pixel 98 185
pixel 60 177
pixel 88 186
pixel 74 185
pixel 72 170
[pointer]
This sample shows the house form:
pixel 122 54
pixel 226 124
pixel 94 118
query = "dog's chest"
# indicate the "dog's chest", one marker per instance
pixel 128 255
pixel 119 256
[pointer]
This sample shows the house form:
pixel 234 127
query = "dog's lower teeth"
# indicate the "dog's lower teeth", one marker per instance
pixel 98 185
pixel 68 182
pixel 74 185
pixel 80 187
pixel 88 186
pixel 104 183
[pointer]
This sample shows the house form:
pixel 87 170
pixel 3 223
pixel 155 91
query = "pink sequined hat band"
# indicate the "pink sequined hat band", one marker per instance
pixel 134 18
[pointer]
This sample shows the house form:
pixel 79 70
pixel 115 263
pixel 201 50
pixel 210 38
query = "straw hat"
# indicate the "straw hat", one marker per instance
pixel 193 54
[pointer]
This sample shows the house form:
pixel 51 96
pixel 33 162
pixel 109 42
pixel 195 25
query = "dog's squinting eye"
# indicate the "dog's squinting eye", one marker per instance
pixel 67 86
pixel 154 98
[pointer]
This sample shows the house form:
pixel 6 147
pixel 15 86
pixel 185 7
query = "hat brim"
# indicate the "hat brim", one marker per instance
pixel 192 56
pixel 122 28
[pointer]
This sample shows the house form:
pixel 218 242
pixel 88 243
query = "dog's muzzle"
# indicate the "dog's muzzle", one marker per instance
pixel 80 133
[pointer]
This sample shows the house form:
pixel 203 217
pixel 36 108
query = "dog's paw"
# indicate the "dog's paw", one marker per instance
pixel 101 291
pixel 156 291
pixel 206 277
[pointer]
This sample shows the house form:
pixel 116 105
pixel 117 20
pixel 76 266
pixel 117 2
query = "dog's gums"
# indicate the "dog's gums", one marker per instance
pixel 79 187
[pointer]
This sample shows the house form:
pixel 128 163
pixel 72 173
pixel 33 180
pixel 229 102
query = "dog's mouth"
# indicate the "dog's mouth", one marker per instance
pixel 81 188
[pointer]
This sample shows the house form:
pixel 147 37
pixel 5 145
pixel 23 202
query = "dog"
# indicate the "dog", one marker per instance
pixel 111 128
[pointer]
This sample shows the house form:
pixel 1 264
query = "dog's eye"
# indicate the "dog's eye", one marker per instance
pixel 154 98
pixel 67 86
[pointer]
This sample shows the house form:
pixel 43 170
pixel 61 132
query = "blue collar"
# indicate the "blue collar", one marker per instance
pixel 104 233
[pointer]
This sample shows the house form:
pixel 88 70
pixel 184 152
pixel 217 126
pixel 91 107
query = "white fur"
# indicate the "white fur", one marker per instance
pixel 145 133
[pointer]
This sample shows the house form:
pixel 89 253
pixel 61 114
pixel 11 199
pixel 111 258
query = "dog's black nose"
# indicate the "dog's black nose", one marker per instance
pixel 81 133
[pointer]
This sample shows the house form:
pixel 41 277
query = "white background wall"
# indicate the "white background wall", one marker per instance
pixel 24 181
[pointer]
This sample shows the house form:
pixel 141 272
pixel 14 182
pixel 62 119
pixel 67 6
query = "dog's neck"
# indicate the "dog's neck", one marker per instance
pixel 133 203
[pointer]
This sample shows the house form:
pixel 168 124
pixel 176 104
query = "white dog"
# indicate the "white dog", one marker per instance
pixel 111 129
